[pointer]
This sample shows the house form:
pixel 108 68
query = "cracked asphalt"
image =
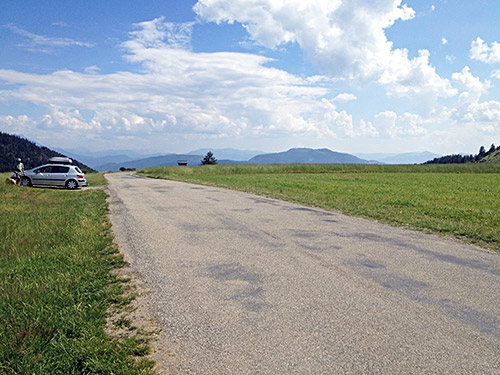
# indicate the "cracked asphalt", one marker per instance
pixel 242 284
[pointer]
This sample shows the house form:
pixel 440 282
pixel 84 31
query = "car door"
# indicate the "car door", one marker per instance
pixel 59 175
pixel 42 176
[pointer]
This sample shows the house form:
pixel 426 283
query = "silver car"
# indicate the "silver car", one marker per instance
pixel 55 174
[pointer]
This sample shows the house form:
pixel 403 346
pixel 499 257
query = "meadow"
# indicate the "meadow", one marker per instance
pixel 57 287
pixel 462 201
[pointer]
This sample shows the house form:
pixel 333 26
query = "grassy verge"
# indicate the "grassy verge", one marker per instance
pixel 96 179
pixel 458 200
pixel 56 287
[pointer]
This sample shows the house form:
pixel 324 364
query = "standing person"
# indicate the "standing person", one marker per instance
pixel 19 171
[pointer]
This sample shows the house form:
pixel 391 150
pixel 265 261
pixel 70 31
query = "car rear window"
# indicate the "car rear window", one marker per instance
pixel 78 170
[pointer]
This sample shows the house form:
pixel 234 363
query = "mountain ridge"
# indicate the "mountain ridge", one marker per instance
pixel 292 156
pixel 307 156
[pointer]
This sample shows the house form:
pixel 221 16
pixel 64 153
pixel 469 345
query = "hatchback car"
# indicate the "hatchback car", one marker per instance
pixel 55 174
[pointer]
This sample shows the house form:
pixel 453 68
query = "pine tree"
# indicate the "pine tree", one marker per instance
pixel 491 150
pixel 209 159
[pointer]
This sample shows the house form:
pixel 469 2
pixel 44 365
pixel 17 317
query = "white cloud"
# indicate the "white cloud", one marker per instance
pixel 444 41
pixel 345 39
pixel 43 43
pixel 479 50
pixel 397 126
pixel 94 69
pixel 345 97
pixel 484 115
pixel 180 92
pixel 473 87
pixel 157 33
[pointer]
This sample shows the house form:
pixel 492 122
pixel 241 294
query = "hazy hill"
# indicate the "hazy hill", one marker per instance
pixel 307 156
pixel 32 155
pixel 406 158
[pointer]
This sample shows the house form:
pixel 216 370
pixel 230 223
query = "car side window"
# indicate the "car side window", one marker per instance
pixel 60 169
pixel 44 170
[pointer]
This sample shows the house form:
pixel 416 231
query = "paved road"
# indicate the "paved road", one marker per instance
pixel 242 284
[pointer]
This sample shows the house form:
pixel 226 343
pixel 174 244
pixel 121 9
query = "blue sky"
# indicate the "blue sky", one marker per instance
pixel 173 76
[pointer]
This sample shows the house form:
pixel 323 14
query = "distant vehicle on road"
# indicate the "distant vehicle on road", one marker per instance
pixel 58 172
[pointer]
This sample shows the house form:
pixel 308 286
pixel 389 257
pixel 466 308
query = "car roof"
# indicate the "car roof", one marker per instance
pixel 55 165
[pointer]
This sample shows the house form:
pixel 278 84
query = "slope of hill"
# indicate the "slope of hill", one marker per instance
pixel 490 156
pixel 493 157
pixel 32 155
pixel 307 156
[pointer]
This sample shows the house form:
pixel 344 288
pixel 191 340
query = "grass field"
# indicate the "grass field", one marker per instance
pixel 458 200
pixel 56 285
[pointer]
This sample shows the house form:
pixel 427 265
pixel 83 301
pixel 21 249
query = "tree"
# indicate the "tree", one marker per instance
pixel 209 159
pixel 492 149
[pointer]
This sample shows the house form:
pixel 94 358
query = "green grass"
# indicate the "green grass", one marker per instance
pixel 458 200
pixel 96 179
pixel 56 288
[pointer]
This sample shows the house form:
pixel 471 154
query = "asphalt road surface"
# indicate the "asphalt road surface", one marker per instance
pixel 242 284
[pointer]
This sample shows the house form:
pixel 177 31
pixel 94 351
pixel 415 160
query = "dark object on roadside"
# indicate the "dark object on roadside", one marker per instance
pixel 123 169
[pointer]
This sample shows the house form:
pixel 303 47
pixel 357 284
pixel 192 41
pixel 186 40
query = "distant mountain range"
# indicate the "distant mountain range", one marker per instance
pixel 114 160
pixel 292 156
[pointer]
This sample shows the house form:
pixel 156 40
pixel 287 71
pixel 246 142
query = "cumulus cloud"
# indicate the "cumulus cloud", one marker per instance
pixel 473 87
pixel 345 39
pixel 480 50
pixel 396 126
pixel 469 109
pixel 181 92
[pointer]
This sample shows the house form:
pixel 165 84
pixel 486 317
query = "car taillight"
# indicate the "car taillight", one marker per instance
pixel 79 176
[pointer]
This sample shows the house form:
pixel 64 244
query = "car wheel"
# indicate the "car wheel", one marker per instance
pixel 25 181
pixel 71 184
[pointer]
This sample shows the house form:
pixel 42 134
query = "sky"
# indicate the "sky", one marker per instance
pixel 172 76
